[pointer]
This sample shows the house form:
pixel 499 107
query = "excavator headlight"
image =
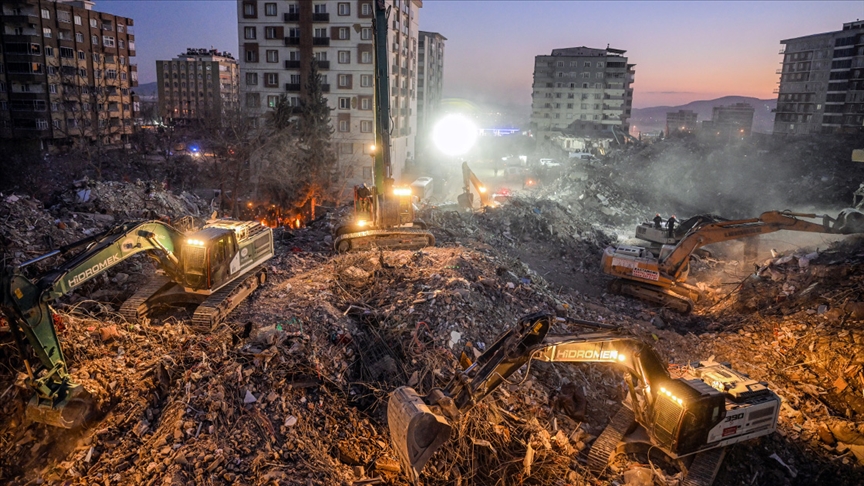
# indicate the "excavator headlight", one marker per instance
pixel 361 222
pixel 483 189
pixel 194 242
pixel 621 357
pixel 402 191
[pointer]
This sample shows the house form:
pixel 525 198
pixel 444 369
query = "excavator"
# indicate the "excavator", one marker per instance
pixel 662 279
pixel 383 214
pixel 647 231
pixel 466 199
pixel 214 268
pixel 691 418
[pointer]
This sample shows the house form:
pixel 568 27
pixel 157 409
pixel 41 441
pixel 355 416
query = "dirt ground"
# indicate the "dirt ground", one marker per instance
pixel 292 388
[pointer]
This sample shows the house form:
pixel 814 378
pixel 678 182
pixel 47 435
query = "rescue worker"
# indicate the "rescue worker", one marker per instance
pixel 670 226
pixel 658 221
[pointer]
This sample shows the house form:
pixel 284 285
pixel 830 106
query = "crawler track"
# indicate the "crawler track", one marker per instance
pixel 219 304
pixel 606 444
pixel 391 239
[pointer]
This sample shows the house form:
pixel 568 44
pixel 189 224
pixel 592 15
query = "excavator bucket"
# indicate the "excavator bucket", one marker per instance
pixel 415 431
pixel 69 413
pixel 850 221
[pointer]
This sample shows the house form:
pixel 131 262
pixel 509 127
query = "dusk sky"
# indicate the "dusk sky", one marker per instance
pixel 683 51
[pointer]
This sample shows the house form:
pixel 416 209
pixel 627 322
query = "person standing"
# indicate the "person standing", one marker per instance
pixel 670 226
pixel 658 221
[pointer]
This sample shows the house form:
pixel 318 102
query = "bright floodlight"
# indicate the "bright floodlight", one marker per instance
pixel 454 135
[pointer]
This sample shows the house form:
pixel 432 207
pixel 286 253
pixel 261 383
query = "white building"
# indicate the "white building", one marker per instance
pixel 278 41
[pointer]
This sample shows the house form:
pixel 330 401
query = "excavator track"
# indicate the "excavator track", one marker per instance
pixel 135 307
pixel 704 468
pixel 650 293
pixel 606 444
pixel 219 304
pixel 390 239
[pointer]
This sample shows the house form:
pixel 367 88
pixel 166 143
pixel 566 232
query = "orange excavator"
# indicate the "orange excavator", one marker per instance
pixel 662 279
pixel 466 199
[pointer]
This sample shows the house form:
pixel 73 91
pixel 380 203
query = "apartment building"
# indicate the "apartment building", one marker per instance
pixel 822 83
pixel 581 90
pixel 681 121
pixel 197 85
pixel 430 80
pixel 67 74
pixel 279 41
pixel 729 122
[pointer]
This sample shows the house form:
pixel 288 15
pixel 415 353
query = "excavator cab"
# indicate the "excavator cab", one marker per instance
pixel 208 257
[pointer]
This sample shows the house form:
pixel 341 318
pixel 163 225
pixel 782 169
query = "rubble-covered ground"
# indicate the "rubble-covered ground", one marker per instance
pixel 292 388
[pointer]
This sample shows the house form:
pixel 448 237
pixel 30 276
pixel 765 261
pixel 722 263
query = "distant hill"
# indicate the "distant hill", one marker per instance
pixel 147 91
pixel 654 118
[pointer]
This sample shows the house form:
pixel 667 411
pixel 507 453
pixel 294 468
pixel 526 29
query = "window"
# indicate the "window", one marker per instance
pixel 122 44
pixel 344 125
pixel 344 103
pixel 270 9
pixel 272 100
pixel 94 40
pixel 598 85
pixel 49 51
pixel 344 33
pixel 587 64
pixel 46 14
pixel 51 71
pixel 365 103
pixel 596 107
pixel 320 32
pixel 293 8
pixel 67 53
pixel 77 20
pixel 294 32
pixel 46 32
pixel 344 80
pixel 64 16
pixel 253 100
pixel 96 57
pixel 272 55
pixel 111 74
pixel 365 127
pixel 584 85
pixel 295 79
pixel 93 23
pixel 270 32
pixel 251 79
pixel 366 32
pixel 108 41
pixel 79 37
pixel 121 28
pixel 570 105
pixel 320 8
pixel 598 75
pixel 366 80
pixel 52 88
pixel 249 33
pixel 271 80
pixel 344 9
pixel 249 10
pixel 344 57
pixel 346 148
pixel 41 123
pixel 366 9
pixel 366 58
pixel 584 106
pixel 82 56
pixel 252 55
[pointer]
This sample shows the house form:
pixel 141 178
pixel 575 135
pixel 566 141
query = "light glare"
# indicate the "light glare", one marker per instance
pixel 454 135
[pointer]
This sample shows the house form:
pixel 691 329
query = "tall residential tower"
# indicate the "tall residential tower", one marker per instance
pixel 197 85
pixel 280 40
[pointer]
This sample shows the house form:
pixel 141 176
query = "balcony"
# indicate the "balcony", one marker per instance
pixel 322 64
pixel 782 50
pixel 292 41
pixel 779 71
pixel 320 41
pixel 292 64
pixel 320 17
pixel 292 17
pixel 292 88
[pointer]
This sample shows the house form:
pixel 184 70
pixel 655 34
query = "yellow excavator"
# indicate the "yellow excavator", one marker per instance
pixel 383 213
pixel 690 418
pixel 466 199
pixel 213 268
pixel 662 279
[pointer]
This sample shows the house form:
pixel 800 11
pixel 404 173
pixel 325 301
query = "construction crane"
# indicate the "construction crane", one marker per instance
pixel 383 213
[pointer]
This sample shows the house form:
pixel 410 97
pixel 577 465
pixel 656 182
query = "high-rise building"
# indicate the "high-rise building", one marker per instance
pixel 430 79
pixel 822 83
pixel 197 85
pixel 279 41
pixel 727 122
pixel 681 121
pixel 580 90
pixel 67 73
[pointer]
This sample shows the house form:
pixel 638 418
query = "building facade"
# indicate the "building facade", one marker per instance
pixel 430 80
pixel 67 74
pixel 580 90
pixel 822 83
pixel 280 40
pixel 681 121
pixel 197 85
pixel 729 122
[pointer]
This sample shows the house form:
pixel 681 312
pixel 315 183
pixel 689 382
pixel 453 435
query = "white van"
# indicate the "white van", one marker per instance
pixel 422 188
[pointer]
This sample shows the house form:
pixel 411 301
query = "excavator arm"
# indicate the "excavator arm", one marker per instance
pixel 675 263
pixel 466 199
pixel 26 304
